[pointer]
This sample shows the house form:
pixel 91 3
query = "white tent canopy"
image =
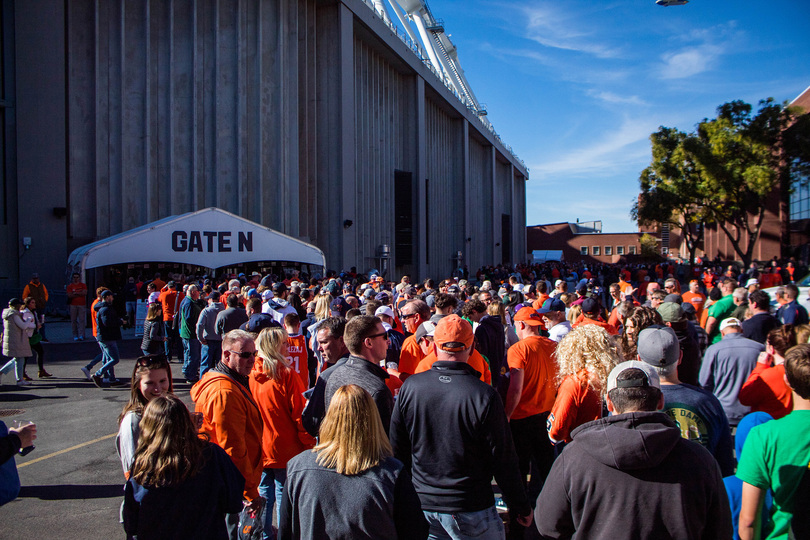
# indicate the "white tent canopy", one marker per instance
pixel 210 238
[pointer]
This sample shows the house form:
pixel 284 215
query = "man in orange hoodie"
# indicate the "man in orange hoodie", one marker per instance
pixel 231 417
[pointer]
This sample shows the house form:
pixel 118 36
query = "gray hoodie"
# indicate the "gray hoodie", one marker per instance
pixel 633 476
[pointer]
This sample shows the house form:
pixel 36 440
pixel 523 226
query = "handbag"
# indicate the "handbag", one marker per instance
pixel 250 525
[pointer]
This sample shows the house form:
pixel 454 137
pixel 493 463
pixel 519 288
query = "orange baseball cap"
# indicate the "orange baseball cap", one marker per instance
pixel 529 315
pixel 453 334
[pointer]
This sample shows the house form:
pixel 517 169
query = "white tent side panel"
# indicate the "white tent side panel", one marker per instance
pixel 210 238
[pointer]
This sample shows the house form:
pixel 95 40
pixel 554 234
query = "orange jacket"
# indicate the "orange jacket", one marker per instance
pixel 233 422
pixel 410 355
pixel 766 391
pixel 167 300
pixel 280 403
pixel 476 362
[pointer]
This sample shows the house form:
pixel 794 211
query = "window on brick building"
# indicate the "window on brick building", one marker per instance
pixel 596 251
pixel 631 250
pixel 619 250
pixel 608 250
pixel 583 250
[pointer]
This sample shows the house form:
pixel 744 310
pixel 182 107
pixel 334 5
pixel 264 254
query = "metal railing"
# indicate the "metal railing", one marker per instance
pixel 416 49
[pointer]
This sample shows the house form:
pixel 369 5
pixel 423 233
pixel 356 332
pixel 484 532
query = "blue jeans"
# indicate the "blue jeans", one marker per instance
pixel 270 488
pixel 99 357
pixel 111 357
pixel 191 359
pixel 481 525
pixel 211 354
pixel 17 364
pixel 172 335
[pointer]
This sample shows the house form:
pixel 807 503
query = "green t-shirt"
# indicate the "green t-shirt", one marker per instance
pixel 722 309
pixel 776 456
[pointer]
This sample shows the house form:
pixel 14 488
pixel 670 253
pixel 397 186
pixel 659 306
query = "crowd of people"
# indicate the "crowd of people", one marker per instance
pixel 604 401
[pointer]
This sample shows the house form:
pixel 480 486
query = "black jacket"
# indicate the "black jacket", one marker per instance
pixel 451 430
pixel 633 476
pixel 489 341
pixel 315 408
pixel 109 324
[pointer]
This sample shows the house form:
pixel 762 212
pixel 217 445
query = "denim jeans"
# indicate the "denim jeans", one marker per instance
pixel 99 357
pixel 111 357
pixel 481 525
pixel 191 359
pixel 172 335
pixel 17 364
pixel 270 487
pixel 211 355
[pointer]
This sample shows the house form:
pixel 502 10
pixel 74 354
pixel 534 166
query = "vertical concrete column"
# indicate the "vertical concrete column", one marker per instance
pixel 497 209
pixel 346 141
pixel 421 183
pixel 41 140
pixel 466 247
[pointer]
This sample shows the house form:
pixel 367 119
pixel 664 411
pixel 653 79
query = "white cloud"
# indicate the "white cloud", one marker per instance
pixel 610 97
pixel 627 145
pixel 689 62
pixel 551 26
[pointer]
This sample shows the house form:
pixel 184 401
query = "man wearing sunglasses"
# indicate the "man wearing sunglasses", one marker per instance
pixel 367 341
pixel 231 417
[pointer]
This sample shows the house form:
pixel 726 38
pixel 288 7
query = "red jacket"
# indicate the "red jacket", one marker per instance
pixel 281 402
pixel 232 420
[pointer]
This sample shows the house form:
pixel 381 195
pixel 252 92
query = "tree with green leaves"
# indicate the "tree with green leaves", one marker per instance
pixel 723 172
pixel 670 189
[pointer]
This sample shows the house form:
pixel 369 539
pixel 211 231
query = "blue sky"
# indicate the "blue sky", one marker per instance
pixel 576 87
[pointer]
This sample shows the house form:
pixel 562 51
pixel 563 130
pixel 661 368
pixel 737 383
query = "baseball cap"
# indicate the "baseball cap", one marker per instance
pixel 381 296
pixel 670 312
pixel 552 304
pixel 279 287
pixel 590 305
pixel 267 294
pixel 731 321
pixel 674 297
pixel 427 328
pixel 658 346
pixel 15 302
pixel 410 289
pixel 253 293
pixel 529 316
pixel 340 305
pixel 652 378
pixel 259 322
pixel 106 293
pixel 752 281
pixel 557 283
pixel 453 334
pixel 384 310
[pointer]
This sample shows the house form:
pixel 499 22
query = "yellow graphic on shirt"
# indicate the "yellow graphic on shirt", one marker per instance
pixel 691 424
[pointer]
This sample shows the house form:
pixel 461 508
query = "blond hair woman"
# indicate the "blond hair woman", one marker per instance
pixel 349 485
pixel 278 391
pixel 585 357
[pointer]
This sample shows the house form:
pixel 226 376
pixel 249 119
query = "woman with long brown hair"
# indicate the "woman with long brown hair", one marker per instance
pixel 180 486
pixel 349 485
pixel 640 318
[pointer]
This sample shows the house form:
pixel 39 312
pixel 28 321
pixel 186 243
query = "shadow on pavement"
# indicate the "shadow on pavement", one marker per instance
pixel 68 491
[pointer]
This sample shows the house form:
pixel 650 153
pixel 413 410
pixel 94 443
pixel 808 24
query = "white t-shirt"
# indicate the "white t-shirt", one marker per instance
pixel 559 331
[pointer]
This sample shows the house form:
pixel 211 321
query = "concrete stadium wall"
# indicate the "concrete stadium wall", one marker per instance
pixel 296 114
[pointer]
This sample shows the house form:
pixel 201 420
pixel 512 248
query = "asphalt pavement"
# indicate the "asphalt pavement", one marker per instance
pixel 72 483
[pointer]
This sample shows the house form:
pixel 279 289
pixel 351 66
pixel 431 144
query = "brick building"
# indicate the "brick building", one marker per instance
pixel 583 242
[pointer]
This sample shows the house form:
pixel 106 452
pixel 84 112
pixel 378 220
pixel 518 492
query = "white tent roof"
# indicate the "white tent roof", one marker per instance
pixel 211 238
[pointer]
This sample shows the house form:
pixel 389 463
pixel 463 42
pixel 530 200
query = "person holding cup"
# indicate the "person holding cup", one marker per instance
pixel 13 441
